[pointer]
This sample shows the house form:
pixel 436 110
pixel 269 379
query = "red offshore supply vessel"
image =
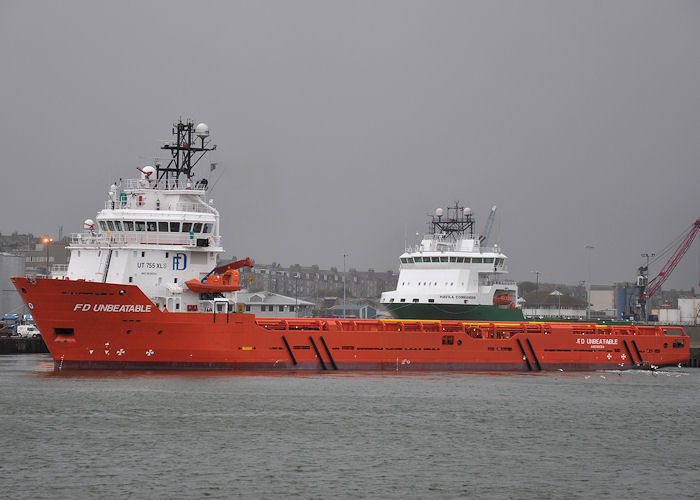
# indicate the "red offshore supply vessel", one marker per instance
pixel 143 291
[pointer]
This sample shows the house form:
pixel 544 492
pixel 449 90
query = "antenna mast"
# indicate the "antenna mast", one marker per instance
pixel 185 151
pixel 458 221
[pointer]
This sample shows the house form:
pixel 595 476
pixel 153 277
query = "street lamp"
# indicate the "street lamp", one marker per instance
pixel 46 241
pixel 344 297
pixel 296 292
pixel 537 287
pixel 588 294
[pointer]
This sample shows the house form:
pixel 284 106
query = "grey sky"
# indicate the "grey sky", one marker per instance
pixel 340 125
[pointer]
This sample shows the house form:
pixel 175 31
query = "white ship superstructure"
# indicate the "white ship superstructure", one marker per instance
pixel 451 274
pixel 156 231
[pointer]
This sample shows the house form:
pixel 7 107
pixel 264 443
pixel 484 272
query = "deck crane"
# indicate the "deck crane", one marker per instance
pixel 484 239
pixel 648 288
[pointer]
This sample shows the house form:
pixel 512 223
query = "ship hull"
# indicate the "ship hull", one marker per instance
pixel 465 312
pixel 96 326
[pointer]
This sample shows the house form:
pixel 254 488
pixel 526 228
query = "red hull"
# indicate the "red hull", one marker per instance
pixel 90 325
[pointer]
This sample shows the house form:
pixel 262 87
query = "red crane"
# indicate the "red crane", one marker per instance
pixel 673 261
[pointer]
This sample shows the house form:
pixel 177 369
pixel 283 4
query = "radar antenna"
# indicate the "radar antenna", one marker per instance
pixel 189 147
pixel 455 224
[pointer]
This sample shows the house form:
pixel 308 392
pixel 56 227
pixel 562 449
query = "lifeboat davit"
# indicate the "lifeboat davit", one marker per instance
pixel 216 283
pixel 502 300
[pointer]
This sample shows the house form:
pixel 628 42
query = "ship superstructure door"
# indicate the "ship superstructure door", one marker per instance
pixel 221 305
pixel 173 304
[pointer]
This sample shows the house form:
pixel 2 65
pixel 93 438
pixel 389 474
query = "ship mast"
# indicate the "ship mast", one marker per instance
pixel 455 224
pixel 185 151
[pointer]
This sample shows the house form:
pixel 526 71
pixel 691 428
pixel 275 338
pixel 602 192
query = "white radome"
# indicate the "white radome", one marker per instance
pixel 202 130
pixel 148 171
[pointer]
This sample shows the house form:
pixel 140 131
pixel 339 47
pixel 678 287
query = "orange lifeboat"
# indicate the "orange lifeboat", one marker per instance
pixel 502 300
pixel 216 283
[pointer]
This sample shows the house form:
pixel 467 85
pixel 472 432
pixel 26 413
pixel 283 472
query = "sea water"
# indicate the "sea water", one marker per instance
pixel 632 434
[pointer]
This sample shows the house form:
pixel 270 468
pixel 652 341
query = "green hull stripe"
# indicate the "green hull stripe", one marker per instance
pixel 453 311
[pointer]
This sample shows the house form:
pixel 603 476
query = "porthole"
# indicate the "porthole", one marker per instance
pixel 122 292
pixel 128 332
pixel 24 290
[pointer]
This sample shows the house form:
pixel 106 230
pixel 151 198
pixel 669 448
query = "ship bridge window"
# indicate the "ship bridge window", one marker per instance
pixel 186 227
pixel 477 260
pixel 198 227
pixel 151 226
pixel 163 227
pixel 140 225
pixel 453 259
pixel 110 225
pixel 207 228
pixel 488 260
pixel 499 262
pixel 443 259
pixel 436 259
pixel 118 225
pixel 128 225
pixel 103 225
pixel 460 259
pixel 174 227
pixel 404 260
pixel 410 260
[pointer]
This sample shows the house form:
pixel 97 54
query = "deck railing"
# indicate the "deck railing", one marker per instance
pixel 88 239
pixel 131 203
pixel 170 184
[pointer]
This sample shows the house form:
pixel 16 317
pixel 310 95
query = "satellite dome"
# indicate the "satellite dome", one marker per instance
pixel 89 224
pixel 438 212
pixel 148 171
pixel 467 211
pixel 202 130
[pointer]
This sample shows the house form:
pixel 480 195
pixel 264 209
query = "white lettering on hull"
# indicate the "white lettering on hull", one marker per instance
pixel 118 308
pixel 597 342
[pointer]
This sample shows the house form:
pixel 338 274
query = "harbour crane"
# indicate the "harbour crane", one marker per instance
pixel 648 288
pixel 484 239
